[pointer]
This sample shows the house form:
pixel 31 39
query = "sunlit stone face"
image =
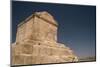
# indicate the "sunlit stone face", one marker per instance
pixel 38 28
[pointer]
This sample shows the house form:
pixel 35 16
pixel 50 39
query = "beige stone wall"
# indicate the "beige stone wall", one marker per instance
pixel 24 31
pixel 44 30
pixel 20 33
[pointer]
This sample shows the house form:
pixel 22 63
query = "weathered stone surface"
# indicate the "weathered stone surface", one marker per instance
pixel 36 42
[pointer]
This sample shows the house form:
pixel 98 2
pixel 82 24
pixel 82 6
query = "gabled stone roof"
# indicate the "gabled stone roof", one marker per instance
pixel 43 15
pixel 46 16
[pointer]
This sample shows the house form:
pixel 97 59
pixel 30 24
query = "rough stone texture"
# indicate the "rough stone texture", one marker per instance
pixel 36 42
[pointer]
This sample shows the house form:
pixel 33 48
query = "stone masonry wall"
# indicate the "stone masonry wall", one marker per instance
pixel 36 42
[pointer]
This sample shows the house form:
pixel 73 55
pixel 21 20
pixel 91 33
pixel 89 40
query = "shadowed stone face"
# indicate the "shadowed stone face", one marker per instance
pixel 36 42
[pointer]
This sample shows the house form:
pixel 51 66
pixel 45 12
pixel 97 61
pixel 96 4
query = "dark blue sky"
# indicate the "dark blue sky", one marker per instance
pixel 77 23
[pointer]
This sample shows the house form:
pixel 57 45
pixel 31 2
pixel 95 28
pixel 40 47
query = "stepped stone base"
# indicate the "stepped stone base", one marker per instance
pixel 39 53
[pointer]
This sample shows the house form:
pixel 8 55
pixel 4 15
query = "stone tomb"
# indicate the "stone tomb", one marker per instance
pixel 36 42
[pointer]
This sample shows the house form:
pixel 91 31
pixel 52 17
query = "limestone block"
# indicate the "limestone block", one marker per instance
pixel 22 59
pixel 42 51
pixel 16 49
pixel 28 59
pixel 34 58
pixel 35 50
pixel 26 49
pixel 17 60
